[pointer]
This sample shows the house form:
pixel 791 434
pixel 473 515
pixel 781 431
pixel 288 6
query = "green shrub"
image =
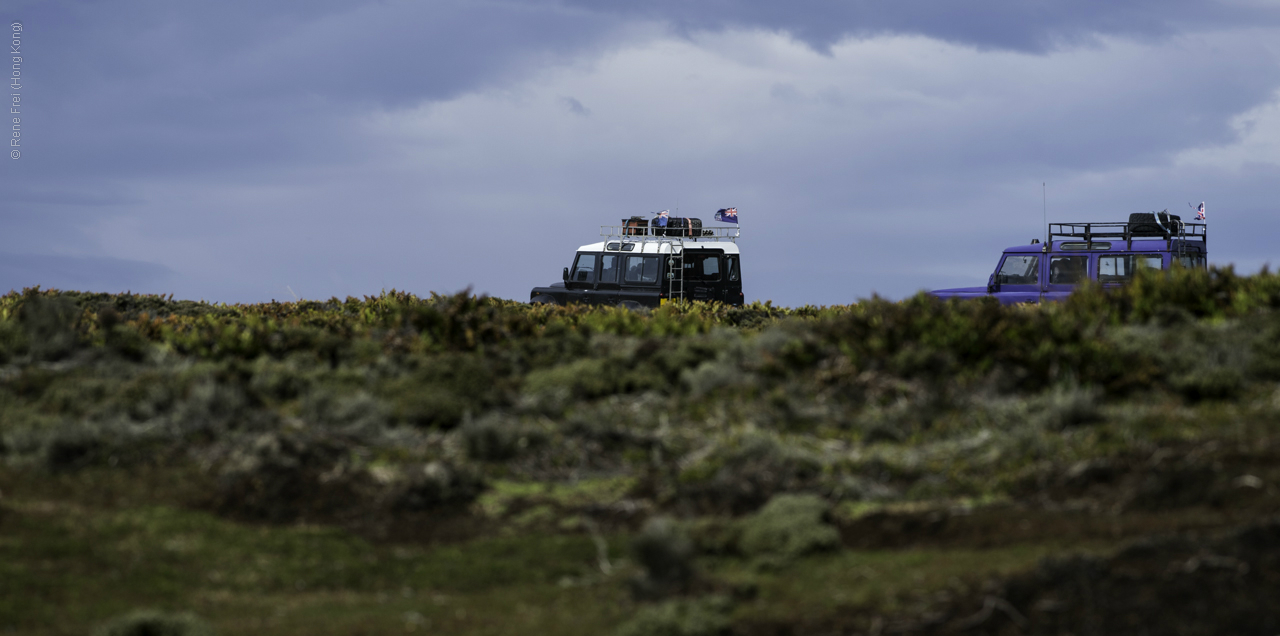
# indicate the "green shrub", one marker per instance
pixel 585 378
pixel 742 472
pixel 666 553
pixel 1209 383
pixel 73 446
pixel 1066 407
pixel 716 535
pixel 153 623
pixel 13 338
pixel 497 437
pixel 443 389
pixel 127 341
pixel 700 617
pixel 789 526
pixel 276 381
pixel 50 322
pixel 289 477
pixel 428 406
pixel 439 485
pixel 1265 359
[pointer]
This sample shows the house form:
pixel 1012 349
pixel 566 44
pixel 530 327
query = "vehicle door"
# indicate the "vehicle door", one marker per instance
pixel 1017 280
pixel 702 275
pixel 582 277
pixel 1117 269
pixel 733 280
pixel 1066 272
pixel 640 279
pixel 607 286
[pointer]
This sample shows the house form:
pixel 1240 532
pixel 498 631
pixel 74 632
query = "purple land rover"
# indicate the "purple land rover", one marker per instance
pixel 1108 253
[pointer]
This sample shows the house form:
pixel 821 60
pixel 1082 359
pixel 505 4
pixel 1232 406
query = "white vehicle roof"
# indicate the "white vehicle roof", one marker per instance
pixel 659 246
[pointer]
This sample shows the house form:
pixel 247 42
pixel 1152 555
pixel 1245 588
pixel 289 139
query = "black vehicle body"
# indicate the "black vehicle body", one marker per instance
pixel 640 269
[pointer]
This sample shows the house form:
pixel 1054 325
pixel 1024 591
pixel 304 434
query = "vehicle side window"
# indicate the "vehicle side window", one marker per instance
pixel 609 268
pixel 733 268
pixel 1195 262
pixel 584 269
pixel 641 269
pixel 1068 270
pixel 1020 270
pixel 1120 268
pixel 651 266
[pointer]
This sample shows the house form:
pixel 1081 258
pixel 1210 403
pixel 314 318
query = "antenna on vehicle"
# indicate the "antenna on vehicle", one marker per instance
pixel 1044 210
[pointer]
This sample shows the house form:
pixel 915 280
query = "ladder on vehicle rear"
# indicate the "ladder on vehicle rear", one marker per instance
pixel 675 273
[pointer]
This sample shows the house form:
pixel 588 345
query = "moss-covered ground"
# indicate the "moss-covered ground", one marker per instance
pixel 467 465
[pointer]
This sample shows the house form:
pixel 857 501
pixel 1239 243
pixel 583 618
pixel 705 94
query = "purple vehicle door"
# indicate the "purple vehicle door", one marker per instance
pixel 1066 271
pixel 1017 280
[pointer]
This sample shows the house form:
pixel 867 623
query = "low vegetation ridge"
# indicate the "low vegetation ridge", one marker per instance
pixel 471 465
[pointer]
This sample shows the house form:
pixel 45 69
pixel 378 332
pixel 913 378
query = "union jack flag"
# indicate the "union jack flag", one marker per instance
pixel 1200 212
pixel 727 215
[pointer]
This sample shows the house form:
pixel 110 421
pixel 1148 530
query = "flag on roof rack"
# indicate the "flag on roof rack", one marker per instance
pixel 1200 212
pixel 727 215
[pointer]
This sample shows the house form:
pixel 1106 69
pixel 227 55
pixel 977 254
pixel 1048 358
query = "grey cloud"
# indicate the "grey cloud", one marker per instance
pixel 148 87
pixel 1001 24
pixel 575 106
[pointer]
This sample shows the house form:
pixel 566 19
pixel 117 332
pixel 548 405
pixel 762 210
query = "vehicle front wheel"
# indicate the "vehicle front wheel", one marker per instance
pixel 543 300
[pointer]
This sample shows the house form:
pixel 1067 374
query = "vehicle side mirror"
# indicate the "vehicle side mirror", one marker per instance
pixel 566 274
pixel 993 284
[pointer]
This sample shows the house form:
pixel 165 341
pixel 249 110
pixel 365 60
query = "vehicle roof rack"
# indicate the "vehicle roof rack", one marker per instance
pixel 643 235
pixel 1176 234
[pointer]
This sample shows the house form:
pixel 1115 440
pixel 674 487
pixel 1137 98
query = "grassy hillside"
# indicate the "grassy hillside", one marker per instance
pixel 468 465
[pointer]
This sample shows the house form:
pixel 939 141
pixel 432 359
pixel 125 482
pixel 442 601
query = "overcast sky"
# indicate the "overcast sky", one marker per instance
pixel 241 151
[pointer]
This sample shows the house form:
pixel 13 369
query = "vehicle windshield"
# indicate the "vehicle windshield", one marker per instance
pixel 1020 270
pixel 584 269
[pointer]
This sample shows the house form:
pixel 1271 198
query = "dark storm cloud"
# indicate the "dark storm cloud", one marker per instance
pixel 151 87
pixel 1008 24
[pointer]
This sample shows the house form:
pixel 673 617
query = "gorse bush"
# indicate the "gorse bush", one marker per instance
pixel 711 409
pixel 789 526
